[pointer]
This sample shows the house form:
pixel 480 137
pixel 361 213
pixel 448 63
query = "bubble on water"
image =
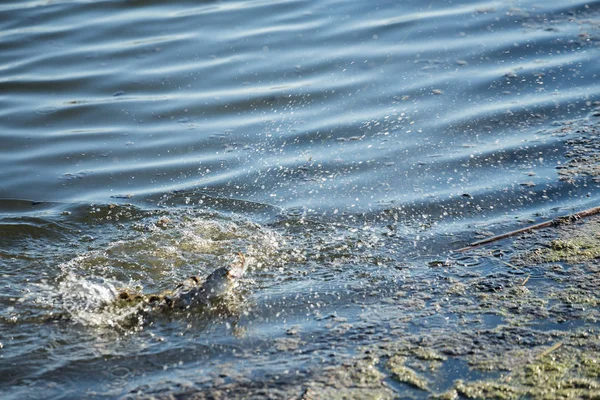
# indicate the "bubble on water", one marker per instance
pixel 46 110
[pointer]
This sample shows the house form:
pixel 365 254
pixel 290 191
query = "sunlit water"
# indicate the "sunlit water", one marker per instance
pixel 340 145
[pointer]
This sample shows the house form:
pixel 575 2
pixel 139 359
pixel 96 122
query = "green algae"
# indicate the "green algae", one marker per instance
pixel 590 366
pixel 451 394
pixel 572 245
pixel 573 295
pixel 347 394
pixel 556 375
pixel 353 380
pixel 403 374
pixel 573 250
pixel 428 354
pixel 583 159
pixel 531 367
pixel 487 390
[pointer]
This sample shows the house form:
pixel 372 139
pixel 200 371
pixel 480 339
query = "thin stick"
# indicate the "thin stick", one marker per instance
pixel 307 157
pixel 554 222
pixel 509 264
pixel 548 351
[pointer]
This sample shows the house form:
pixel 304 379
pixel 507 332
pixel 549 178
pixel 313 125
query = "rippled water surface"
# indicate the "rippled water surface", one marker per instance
pixel 341 146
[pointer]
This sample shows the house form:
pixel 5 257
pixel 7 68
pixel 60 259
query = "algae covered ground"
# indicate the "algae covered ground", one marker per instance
pixel 527 328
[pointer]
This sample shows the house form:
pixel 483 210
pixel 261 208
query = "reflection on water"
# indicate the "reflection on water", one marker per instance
pixel 344 147
pixel 294 101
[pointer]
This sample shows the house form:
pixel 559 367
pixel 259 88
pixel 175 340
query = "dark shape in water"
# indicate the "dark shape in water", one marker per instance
pixel 194 291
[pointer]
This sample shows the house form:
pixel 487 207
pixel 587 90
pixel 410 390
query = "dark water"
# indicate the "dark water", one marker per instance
pixel 340 145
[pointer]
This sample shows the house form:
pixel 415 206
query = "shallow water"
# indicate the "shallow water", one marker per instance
pixel 341 146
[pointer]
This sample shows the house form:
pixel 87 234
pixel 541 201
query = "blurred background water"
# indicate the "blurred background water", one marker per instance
pixel 341 145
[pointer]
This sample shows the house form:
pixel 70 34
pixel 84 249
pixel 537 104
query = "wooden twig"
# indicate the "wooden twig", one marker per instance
pixel 508 264
pixel 554 222
pixel 548 350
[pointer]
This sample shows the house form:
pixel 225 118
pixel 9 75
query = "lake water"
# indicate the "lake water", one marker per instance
pixel 340 145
